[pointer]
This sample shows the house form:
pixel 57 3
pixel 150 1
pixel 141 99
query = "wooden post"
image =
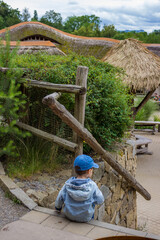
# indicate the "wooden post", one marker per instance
pixel 80 102
pixel 66 117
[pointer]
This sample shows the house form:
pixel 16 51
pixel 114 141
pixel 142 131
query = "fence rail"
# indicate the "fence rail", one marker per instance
pixel 50 137
pixel 68 88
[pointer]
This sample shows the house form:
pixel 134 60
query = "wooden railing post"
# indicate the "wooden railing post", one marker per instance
pixel 80 102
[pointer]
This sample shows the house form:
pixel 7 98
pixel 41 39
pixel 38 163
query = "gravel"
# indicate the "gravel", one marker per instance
pixel 10 211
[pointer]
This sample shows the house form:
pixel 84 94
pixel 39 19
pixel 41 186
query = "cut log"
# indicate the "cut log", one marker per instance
pixel 66 117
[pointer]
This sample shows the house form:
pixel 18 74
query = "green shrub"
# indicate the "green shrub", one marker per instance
pixel 147 110
pixel 11 100
pixel 107 110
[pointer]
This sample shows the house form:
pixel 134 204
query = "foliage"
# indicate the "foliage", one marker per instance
pixel 11 100
pixel 108 31
pixel 156 118
pixel 8 15
pixel 25 15
pixel 88 30
pixel 74 23
pixel 146 111
pixel 35 155
pixel 107 111
pixel 35 16
pixel 52 19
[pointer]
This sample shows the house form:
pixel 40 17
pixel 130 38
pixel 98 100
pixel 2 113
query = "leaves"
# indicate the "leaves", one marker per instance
pixel 11 100
pixel 107 110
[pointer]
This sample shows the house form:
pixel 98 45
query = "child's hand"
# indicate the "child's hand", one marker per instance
pixel 58 209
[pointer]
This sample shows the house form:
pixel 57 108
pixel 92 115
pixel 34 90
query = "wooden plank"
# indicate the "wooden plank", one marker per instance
pixel 80 103
pixel 50 137
pixel 66 117
pixel 68 88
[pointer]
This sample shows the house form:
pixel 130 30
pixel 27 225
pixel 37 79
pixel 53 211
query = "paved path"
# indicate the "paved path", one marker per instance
pixel 148 174
pixel 46 224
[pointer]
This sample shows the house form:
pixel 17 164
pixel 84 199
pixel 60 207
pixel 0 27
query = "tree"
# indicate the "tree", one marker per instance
pixel 88 30
pixel 35 16
pixel 52 19
pixel 25 15
pixel 108 31
pixel 8 16
pixel 74 23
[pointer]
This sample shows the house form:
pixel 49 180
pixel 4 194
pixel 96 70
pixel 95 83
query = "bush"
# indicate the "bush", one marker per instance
pixel 146 111
pixel 107 110
pixel 11 101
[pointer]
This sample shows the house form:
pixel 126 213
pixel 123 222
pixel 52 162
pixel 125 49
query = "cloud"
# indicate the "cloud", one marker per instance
pixel 72 3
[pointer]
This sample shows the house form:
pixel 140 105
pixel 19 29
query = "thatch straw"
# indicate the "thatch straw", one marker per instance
pixel 142 67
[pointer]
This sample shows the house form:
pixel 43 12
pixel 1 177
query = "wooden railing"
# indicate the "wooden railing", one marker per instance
pixel 76 123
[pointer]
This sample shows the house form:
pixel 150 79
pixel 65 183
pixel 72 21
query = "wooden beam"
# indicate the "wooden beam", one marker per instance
pixel 66 117
pixel 50 137
pixel 57 87
pixel 4 69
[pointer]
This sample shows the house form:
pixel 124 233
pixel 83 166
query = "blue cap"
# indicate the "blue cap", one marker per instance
pixel 84 162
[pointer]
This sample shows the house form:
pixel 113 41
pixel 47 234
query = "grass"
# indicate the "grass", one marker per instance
pixel 147 110
pixel 35 155
pixel 156 118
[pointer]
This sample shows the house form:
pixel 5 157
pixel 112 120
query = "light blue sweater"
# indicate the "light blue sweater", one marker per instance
pixel 78 198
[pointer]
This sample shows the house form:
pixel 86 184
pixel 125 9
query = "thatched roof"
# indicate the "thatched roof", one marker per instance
pixel 142 67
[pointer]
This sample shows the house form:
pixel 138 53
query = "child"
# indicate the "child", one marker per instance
pixel 79 194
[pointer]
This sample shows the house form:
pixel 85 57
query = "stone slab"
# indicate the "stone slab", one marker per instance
pixel 56 222
pixel 1 169
pixel 22 230
pixel 49 211
pixel 35 217
pixel 6 183
pixel 23 197
pixel 120 229
pixel 78 228
pixel 44 210
pixel 98 232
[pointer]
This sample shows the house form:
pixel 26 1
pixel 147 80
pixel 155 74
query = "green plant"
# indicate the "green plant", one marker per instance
pixel 147 110
pixel 156 118
pixel 12 101
pixel 35 155
pixel 107 108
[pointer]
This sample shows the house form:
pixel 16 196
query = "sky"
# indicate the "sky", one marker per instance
pixel 124 14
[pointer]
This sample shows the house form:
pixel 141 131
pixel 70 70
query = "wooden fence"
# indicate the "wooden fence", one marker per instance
pixel 79 89
pixel 76 123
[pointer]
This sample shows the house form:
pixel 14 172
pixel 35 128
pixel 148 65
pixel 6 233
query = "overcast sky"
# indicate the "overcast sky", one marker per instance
pixel 124 14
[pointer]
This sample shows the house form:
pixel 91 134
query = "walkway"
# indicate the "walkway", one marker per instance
pixel 148 174
pixel 43 223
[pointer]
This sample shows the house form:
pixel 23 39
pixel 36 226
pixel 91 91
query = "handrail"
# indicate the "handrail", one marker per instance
pixel 82 132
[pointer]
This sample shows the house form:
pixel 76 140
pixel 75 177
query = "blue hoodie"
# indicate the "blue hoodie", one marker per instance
pixel 79 197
